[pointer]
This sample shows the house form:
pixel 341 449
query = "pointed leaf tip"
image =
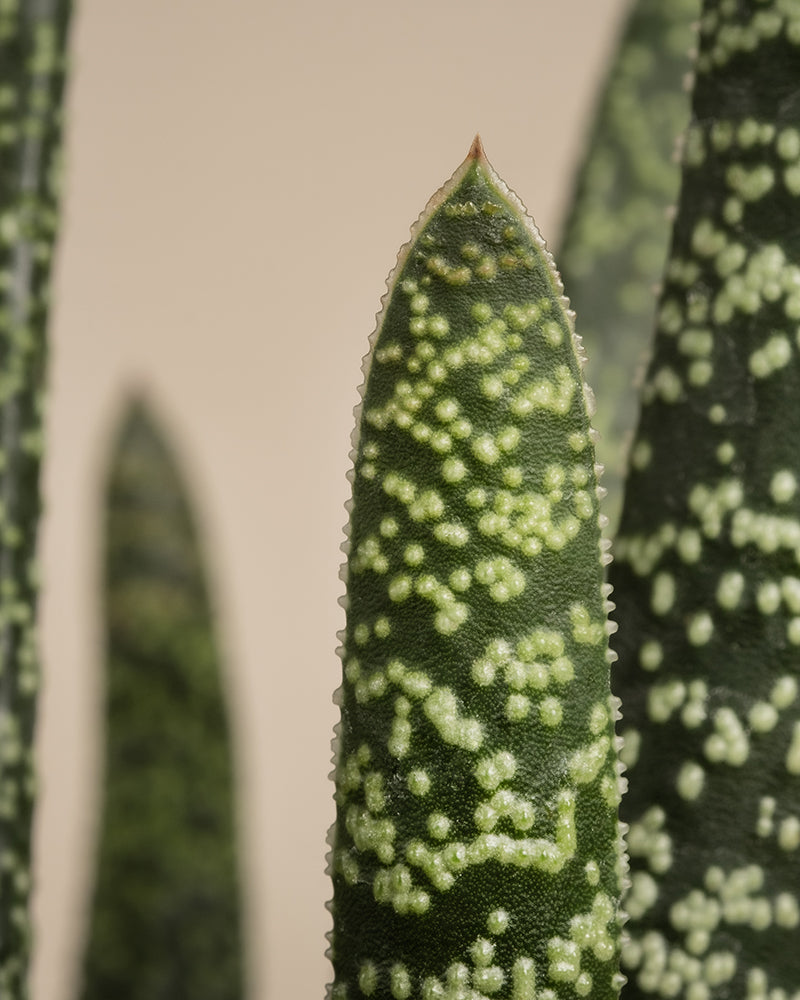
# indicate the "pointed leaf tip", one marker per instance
pixel 476 150
pixel 472 414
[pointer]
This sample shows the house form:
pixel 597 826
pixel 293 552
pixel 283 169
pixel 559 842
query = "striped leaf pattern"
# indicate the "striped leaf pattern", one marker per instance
pixel 165 921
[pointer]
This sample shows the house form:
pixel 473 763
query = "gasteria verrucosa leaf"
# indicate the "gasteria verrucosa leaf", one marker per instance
pixel 476 850
pixel 32 42
pixel 616 236
pixel 165 920
pixel 707 577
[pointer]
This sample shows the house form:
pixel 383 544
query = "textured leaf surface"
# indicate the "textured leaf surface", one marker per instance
pixel 707 577
pixel 32 41
pixel 476 843
pixel 617 233
pixel 165 922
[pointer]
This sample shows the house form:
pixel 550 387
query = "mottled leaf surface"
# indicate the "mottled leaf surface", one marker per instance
pixel 707 575
pixel 616 236
pixel 32 43
pixel 165 922
pixel 476 847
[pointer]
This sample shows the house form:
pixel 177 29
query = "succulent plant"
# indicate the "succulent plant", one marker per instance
pixel 32 41
pixel 476 850
pixel 616 235
pixel 707 570
pixel 165 923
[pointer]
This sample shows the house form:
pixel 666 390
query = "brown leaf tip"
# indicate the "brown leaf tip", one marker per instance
pixel 476 150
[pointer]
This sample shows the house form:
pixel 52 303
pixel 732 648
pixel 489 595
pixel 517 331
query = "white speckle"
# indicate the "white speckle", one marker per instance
pixel 389 527
pixel 774 355
pixel 689 545
pixel 664 699
pixel 497 922
pixel 793 631
pixel 663 594
pixel 518 707
pixel 726 453
pixel 700 628
pixel 578 441
pixel 694 712
pixel 719 967
pixel 419 303
pixel 438 826
pixel 418 783
pixel 367 978
pixel 642 894
pixel 585 764
pixel 651 654
pixel 768 597
pixel 442 709
pixel 447 410
pixel 717 414
pixel 523 974
pixel 784 692
pixel 453 470
pixel 460 579
pixel 690 780
pixel 765 823
pixel 789 834
pixel 783 486
pixel 492 771
pixel 414 555
pixel 551 712
pixel 762 717
pixel 730 589
pixel 492 386
pixel 631 744
pixel 729 742
pixel 400 982
pixel 751 185
pixel 485 449
pixel 787 912
pixel 509 438
pixel 452 534
pixel 565 960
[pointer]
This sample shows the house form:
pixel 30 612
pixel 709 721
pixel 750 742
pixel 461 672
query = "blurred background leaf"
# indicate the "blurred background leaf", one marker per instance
pixel 616 234
pixel 165 923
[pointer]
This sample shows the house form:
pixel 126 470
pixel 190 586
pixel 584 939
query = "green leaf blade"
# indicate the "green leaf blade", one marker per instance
pixel 32 75
pixel 616 236
pixel 476 832
pixel 706 569
pixel 165 920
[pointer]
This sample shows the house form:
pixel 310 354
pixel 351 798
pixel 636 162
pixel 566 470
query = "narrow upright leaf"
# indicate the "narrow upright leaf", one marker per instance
pixel 32 42
pixel 617 232
pixel 476 846
pixel 165 923
pixel 707 576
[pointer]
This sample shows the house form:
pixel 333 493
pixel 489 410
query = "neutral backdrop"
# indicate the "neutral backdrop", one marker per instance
pixel 240 176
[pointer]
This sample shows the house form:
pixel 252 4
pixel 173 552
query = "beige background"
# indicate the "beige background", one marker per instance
pixel 240 177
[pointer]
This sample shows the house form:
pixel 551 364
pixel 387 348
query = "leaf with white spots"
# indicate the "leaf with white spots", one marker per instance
pixel 32 43
pixel 707 574
pixel 476 692
pixel 616 236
